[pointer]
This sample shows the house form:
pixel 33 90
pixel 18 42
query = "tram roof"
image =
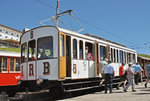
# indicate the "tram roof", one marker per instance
pixel 88 36
pixel 94 36
pixel 144 58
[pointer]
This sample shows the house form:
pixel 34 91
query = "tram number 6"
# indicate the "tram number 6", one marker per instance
pixel 46 68
pixel 74 68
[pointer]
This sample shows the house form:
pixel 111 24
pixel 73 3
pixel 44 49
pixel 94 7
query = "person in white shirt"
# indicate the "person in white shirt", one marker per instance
pixel 109 74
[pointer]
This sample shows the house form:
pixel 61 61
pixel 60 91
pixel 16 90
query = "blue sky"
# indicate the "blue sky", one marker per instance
pixel 123 21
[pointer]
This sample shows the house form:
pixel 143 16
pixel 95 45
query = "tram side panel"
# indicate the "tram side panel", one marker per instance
pixel 81 67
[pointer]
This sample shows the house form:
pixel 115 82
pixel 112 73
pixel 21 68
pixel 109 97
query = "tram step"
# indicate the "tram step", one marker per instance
pixel 77 83
pixel 73 90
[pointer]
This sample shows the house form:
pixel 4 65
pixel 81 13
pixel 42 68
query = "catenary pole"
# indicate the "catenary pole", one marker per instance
pixel 57 11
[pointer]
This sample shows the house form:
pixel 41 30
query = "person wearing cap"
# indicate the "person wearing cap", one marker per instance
pixel 109 74
pixel 130 76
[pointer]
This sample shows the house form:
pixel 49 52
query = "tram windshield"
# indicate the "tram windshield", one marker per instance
pixel 45 47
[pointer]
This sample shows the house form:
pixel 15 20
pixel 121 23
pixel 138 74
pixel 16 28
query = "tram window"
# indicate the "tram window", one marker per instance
pixel 121 56
pixel 114 55
pixel 81 49
pixel 133 59
pixel 117 56
pixel 11 64
pixel 0 64
pixel 45 47
pixel 103 53
pixel 74 48
pixel 89 51
pixel 129 57
pixel 125 57
pixel 31 50
pixel 112 59
pixel 62 46
pixel 4 64
pixel 17 66
pixel 24 52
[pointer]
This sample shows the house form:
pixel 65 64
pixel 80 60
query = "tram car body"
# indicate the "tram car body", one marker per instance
pixel 9 71
pixel 52 54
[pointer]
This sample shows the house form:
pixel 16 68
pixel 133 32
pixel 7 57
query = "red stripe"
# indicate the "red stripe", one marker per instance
pixel 57 3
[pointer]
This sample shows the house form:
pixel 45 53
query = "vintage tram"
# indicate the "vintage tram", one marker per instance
pixel 55 58
pixel 9 71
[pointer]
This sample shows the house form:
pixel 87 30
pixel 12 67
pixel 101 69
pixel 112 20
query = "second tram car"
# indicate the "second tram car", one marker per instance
pixel 9 71
pixel 52 56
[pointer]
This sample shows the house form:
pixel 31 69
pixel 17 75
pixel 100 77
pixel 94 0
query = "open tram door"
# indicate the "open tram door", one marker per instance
pixel 108 52
pixel 62 55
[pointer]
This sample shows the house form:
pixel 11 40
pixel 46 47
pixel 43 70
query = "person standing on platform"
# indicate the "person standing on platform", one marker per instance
pixel 130 76
pixel 109 74
pixel 147 74
pixel 137 70
pixel 122 76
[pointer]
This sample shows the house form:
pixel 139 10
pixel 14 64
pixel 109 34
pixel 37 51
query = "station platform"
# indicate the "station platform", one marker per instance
pixel 141 94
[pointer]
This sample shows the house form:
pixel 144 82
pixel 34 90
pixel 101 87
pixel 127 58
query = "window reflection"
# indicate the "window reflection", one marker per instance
pixel 24 52
pixel 45 47
pixel 4 64
pixel 103 53
pixel 31 48
pixel 11 64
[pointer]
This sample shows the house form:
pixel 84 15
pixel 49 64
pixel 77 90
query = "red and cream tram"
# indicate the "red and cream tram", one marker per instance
pixel 56 58
pixel 9 71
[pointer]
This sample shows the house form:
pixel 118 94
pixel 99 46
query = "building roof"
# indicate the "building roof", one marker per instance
pixel 11 28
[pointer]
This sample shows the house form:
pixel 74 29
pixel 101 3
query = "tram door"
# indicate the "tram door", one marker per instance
pixel 32 70
pixel 62 55
pixel 108 52
pixel 96 58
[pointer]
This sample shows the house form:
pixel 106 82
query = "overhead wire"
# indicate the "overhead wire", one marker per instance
pixel 93 25
pixel 45 4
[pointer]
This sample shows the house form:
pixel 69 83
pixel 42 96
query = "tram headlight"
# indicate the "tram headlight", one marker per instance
pixel 39 81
